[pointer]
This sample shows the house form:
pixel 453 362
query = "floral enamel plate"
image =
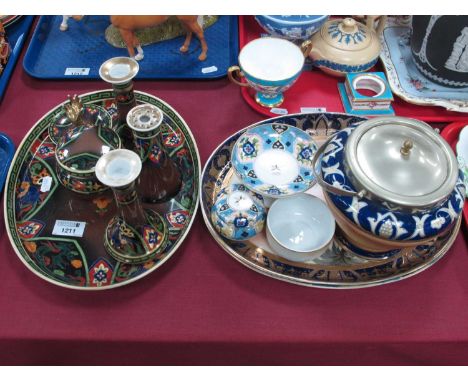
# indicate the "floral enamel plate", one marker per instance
pixel 338 267
pixel 35 202
pixel 275 159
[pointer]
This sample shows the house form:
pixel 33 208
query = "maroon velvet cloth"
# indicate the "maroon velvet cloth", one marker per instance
pixel 202 306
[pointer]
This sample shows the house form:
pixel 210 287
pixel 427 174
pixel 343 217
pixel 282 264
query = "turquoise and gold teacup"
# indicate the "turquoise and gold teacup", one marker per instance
pixel 270 66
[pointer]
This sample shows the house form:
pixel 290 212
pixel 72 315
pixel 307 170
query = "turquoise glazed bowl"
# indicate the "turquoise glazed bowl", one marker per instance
pixel 292 27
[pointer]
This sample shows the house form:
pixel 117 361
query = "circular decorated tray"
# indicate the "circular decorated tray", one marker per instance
pixel 338 267
pixel 35 203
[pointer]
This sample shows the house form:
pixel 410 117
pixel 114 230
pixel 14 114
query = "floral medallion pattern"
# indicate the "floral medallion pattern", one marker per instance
pixel 274 139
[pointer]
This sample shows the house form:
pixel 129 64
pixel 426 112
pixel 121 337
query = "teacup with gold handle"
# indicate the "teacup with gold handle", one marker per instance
pixel 270 66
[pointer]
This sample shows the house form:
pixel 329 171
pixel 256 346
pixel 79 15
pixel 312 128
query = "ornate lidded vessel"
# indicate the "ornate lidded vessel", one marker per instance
pixel 391 183
pixel 346 46
pixel 238 213
pixel 80 144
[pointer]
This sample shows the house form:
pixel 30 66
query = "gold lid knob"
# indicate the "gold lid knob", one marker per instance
pixel 406 148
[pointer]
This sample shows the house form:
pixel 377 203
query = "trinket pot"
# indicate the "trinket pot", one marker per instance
pixel 78 150
pixel 74 114
pixel 293 27
pixel 300 228
pixel 346 46
pixel 119 72
pixel 136 234
pixel 160 178
pixel 238 213
pixel 439 46
pixel 275 160
pixel 394 179
pixel 270 66
pixel 378 102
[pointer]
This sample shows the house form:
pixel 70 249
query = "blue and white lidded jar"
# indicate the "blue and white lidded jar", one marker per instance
pixel 394 179
pixel 238 213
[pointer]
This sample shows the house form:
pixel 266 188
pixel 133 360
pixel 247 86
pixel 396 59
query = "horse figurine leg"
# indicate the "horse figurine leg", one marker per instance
pixel 136 43
pixel 64 24
pixel 192 25
pixel 188 38
pixel 131 42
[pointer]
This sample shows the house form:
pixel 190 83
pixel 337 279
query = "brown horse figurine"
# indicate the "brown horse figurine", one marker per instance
pixel 127 25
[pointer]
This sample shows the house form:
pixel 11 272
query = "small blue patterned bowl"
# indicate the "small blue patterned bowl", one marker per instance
pixel 238 213
pixel 275 160
pixel 295 27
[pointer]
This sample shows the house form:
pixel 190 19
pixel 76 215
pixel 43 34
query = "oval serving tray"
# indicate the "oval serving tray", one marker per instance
pixel 336 268
pixel 32 206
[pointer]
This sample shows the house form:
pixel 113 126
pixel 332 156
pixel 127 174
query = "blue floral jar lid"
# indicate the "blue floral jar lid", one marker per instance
pixel 238 213
pixel 275 159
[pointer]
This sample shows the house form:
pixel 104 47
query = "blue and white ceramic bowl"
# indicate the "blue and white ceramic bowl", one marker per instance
pixel 380 219
pixel 270 66
pixel 275 160
pixel 293 27
pixel 238 213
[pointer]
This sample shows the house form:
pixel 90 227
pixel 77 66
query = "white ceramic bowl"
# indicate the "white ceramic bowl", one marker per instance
pixel 300 228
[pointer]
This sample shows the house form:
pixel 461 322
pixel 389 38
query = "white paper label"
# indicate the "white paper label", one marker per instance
pixel 69 228
pixel 209 69
pixel 278 110
pixel 313 109
pixel 77 71
pixel 46 183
